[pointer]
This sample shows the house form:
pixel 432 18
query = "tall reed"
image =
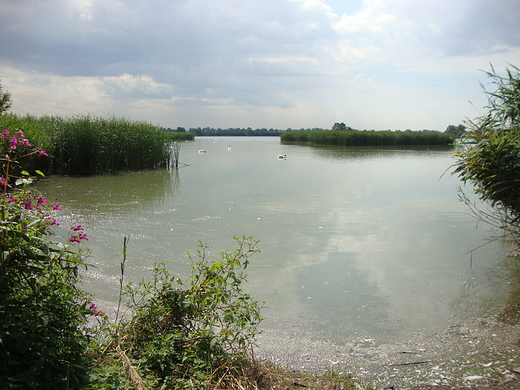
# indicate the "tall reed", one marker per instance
pixel 88 144
pixel 367 138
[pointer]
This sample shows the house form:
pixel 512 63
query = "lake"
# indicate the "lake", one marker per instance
pixel 359 243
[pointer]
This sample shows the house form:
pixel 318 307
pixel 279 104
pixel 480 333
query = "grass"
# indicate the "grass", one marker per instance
pixel 88 144
pixel 367 138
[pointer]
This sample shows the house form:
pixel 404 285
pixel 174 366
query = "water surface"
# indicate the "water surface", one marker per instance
pixel 356 243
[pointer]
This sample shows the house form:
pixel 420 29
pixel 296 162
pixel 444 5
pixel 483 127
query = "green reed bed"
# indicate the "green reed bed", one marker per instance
pixel 181 136
pixel 88 144
pixel 367 138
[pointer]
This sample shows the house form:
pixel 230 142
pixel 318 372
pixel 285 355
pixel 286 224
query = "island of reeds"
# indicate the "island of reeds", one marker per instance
pixel 368 138
pixel 90 145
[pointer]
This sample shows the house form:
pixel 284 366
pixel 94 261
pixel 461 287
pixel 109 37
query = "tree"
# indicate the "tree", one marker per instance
pixel 180 129
pixel 457 131
pixel 339 126
pixel 489 155
pixel 5 100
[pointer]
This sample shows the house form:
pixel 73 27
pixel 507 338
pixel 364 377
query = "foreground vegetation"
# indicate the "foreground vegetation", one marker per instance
pixel 88 145
pixel 368 138
pixel 489 155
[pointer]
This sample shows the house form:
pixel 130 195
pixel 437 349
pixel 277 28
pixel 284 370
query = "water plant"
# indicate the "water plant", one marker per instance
pixel 367 138
pixel 89 144
pixel 181 136
pixel 489 155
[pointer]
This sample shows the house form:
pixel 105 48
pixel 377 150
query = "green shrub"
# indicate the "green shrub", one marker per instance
pixel 42 312
pixel 187 335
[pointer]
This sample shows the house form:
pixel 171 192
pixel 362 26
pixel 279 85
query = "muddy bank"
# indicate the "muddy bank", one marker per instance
pixel 477 353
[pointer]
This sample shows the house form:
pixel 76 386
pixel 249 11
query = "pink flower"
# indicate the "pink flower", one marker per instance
pixel 42 200
pixel 57 207
pixel 94 310
pixel 78 238
pixel 20 134
pixel 3 181
pixel 27 205
pixel 5 133
pixel 78 228
pixel 14 143
pixel 51 220
pixel 42 152
pixel 25 142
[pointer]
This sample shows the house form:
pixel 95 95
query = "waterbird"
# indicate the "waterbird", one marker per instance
pixel 229 147
pixel 202 151
pixel 282 156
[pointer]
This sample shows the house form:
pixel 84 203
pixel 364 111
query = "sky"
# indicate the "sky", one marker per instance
pixel 371 64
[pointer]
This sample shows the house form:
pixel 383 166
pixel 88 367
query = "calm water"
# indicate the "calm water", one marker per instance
pixel 355 242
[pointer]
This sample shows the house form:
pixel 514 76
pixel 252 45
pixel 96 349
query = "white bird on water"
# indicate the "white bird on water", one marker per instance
pixel 229 148
pixel 202 151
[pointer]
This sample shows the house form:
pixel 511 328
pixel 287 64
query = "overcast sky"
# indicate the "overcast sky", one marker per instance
pixel 372 64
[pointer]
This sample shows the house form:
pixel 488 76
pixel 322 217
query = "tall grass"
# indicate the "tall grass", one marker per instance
pixel 367 138
pixel 88 144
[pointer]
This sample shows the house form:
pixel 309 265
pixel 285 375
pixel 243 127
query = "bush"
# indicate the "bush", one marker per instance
pixel 42 312
pixel 192 334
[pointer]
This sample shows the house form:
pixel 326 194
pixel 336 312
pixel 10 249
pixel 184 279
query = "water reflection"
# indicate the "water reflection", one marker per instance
pixel 370 152
pixel 123 193
pixel 343 298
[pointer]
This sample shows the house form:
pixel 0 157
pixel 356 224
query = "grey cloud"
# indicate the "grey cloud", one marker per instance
pixel 466 28
pixel 98 40
pixel 193 46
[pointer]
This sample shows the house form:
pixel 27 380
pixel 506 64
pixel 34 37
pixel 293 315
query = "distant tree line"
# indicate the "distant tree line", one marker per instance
pixel 237 131
pixel 232 131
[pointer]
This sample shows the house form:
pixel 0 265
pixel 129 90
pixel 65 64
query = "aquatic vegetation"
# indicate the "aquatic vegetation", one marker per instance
pixel 87 144
pixel 367 138
pixel 488 155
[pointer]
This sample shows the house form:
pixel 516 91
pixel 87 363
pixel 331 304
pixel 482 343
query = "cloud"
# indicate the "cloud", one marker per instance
pixel 265 59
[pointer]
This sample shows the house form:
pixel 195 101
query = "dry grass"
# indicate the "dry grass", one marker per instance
pixel 261 376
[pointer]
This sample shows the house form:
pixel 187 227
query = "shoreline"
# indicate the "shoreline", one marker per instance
pixel 482 351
